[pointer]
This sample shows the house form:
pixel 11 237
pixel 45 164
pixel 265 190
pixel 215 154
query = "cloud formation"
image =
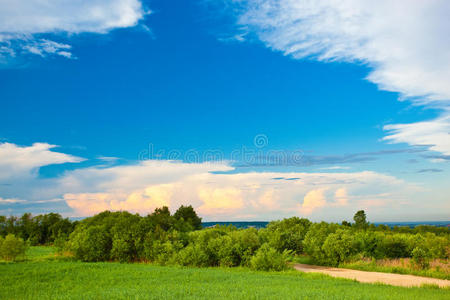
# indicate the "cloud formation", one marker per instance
pixel 405 43
pixel 21 22
pixel 215 190
pixel 21 162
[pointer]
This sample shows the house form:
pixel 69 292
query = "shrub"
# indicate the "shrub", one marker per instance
pixel 315 238
pixel 193 255
pixel 12 247
pixel 394 246
pixel 269 259
pixel 288 234
pixel 367 243
pixel 421 257
pixel 339 246
pixel 91 244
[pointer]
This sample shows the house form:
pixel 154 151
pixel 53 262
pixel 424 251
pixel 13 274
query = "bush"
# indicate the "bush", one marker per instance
pixel 91 244
pixel 421 257
pixel 269 259
pixel 339 246
pixel 193 255
pixel 12 247
pixel 315 238
pixel 394 246
pixel 288 234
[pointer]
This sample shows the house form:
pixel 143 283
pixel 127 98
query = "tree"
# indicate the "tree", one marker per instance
pixel 189 215
pixel 11 247
pixel 161 217
pixel 360 220
pixel 288 234
pixel 339 246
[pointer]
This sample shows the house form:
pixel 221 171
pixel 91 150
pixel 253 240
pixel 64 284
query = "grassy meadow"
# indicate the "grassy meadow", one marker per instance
pixel 43 275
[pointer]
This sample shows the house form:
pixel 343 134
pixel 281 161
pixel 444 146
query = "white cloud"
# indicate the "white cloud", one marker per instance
pixel 313 200
pixel 405 42
pixel 45 47
pixel 23 162
pixel 435 134
pixel 335 168
pixel 214 193
pixel 9 201
pixel 144 186
pixel 22 20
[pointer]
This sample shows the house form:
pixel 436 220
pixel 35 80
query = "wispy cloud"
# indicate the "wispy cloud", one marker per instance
pixel 405 43
pixel 430 171
pixel 336 168
pixel 22 21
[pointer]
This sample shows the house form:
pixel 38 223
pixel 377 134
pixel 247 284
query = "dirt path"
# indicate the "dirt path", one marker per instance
pixel 373 277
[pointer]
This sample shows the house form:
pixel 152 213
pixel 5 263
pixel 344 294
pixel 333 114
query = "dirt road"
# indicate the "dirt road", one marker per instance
pixel 373 277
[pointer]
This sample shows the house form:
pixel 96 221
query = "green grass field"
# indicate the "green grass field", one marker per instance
pixel 43 276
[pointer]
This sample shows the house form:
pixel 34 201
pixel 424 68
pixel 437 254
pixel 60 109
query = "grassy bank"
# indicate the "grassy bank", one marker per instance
pixel 45 276
pixel 439 268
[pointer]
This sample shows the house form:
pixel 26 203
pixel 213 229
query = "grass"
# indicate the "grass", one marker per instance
pixel 45 276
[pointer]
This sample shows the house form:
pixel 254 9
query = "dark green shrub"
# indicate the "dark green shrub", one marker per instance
pixel 394 246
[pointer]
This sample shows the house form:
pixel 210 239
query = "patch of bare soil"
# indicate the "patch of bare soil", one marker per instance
pixel 374 277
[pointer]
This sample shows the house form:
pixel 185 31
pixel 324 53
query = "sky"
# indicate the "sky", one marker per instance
pixel 247 110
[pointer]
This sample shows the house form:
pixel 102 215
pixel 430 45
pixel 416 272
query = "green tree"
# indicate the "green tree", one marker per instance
pixel 288 234
pixel 12 247
pixel 360 220
pixel 188 214
pixel 339 247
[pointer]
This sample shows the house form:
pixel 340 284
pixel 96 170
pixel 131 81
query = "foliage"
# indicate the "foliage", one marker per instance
pixel 176 239
pixel 288 234
pixel 12 247
pixel 421 257
pixel 269 259
pixel 38 230
pixel 188 214
pixel 360 220
pixel 339 246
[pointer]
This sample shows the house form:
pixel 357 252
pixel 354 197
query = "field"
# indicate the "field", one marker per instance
pixel 44 276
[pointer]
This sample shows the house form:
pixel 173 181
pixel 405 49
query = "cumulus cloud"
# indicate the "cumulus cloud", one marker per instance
pixel 22 21
pixel 314 199
pixel 226 196
pixel 215 190
pixel 405 42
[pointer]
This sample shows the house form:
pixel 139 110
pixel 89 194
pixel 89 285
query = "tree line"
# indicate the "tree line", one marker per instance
pixel 178 239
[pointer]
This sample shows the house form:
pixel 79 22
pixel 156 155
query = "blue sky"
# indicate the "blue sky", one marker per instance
pixel 197 77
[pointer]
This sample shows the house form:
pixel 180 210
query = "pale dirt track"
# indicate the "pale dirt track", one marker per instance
pixel 374 277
